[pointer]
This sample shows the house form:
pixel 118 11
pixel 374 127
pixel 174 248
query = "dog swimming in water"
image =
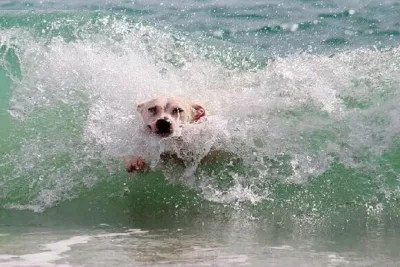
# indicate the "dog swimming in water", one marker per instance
pixel 163 117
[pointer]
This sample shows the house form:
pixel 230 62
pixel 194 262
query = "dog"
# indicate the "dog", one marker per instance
pixel 163 117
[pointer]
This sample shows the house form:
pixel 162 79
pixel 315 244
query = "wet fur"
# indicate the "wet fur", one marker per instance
pixel 176 111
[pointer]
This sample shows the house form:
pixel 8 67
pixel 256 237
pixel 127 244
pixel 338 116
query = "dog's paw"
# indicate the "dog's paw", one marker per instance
pixel 134 164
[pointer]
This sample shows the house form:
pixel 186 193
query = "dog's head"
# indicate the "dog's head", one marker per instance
pixel 162 116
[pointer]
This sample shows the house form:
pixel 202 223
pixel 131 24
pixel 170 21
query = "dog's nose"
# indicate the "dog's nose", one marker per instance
pixel 163 126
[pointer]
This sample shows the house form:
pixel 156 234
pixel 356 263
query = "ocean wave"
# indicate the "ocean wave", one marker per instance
pixel 294 121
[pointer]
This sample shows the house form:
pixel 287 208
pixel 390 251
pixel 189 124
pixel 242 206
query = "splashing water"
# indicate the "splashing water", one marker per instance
pixel 73 117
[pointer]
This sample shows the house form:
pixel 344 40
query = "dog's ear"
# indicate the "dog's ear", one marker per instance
pixel 199 112
pixel 140 107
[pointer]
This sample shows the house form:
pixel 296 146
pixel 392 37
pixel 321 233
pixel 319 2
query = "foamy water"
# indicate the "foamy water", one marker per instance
pixel 134 247
pixel 55 253
pixel 302 94
pixel 304 112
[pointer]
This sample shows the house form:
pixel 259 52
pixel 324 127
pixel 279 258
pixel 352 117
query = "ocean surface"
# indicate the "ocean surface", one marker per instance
pixel 304 93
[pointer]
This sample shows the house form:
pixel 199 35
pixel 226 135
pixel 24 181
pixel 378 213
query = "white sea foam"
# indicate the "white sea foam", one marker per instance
pixel 301 112
pixel 48 258
pixel 55 254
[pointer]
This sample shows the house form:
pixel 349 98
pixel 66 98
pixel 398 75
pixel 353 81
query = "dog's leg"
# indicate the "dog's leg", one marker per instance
pixel 135 164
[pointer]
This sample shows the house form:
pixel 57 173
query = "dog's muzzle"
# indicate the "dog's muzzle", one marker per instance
pixel 163 127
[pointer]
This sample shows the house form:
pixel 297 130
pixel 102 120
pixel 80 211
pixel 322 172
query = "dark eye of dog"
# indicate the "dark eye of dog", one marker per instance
pixel 177 110
pixel 152 110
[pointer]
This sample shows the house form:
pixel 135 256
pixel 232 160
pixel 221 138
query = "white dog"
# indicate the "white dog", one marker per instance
pixel 163 117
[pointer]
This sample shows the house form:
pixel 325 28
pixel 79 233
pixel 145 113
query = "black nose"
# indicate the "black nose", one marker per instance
pixel 163 126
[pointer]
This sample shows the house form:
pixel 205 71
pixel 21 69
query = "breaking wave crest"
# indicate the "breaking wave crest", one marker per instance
pixel 75 83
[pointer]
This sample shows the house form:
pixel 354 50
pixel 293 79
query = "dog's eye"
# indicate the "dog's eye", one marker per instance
pixel 177 110
pixel 153 110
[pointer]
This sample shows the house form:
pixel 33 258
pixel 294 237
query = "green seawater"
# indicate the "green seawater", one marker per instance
pixel 305 95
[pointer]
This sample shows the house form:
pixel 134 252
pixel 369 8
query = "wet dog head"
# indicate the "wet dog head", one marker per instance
pixel 162 116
